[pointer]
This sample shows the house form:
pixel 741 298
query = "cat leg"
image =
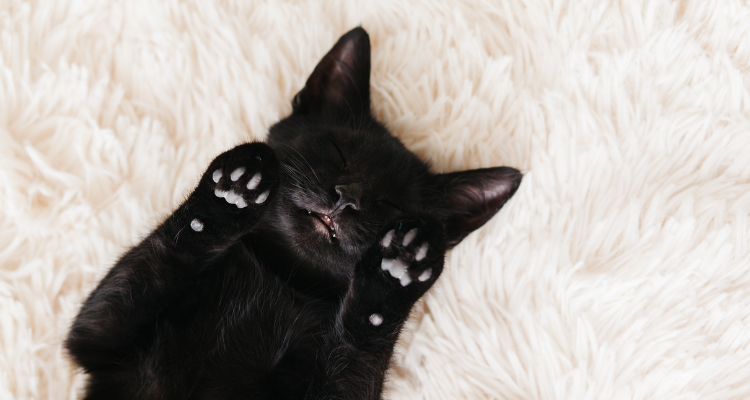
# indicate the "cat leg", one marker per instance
pixel 393 275
pixel 227 202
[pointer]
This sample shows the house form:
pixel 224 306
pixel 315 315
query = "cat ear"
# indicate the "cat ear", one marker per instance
pixel 468 199
pixel 339 87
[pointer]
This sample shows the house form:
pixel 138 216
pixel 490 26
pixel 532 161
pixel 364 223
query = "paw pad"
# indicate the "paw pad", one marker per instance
pixel 254 181
pixel 422 252
pixel 232 196
pixel 236 174
pixel 404 255
pixel 386 242
pixel 426 274
pixel 196 225
pixel 410 236
pixel 263 196
pixel 376 319
pixel 399 270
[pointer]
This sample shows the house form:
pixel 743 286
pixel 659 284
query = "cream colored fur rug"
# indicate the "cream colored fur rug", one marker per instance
pixel 620 269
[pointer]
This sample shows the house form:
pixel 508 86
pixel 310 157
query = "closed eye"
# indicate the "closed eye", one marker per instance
pixel 341 154
pixel 388 203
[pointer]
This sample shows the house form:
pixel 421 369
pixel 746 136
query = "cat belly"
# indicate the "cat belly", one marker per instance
pixel 249 333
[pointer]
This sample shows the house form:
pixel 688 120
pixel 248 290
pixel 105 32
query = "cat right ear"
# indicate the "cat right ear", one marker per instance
pixel 339 87
pixel 465 200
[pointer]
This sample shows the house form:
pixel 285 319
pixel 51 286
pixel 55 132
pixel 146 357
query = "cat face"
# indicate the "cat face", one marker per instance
pixel 340 185
pixel 344 177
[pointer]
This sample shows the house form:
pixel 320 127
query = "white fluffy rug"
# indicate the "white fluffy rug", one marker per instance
pixel 620 269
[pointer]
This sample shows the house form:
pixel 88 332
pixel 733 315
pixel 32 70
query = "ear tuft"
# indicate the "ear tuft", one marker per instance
pixel 340 84
pixel 468 199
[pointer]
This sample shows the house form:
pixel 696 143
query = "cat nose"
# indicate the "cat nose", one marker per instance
pixel 349 196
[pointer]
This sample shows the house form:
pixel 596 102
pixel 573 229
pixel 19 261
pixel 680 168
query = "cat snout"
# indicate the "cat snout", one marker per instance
pixel 348 196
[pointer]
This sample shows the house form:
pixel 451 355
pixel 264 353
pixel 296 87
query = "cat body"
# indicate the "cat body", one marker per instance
pixel 290 270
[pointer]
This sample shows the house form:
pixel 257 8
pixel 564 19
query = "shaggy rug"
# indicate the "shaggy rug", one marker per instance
pixel 620 269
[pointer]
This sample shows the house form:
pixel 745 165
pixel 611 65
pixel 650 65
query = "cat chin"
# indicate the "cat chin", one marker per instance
pixel 309 234
pixel 314 242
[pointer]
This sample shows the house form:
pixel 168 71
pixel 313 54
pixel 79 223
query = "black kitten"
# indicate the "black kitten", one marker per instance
pixel 290 270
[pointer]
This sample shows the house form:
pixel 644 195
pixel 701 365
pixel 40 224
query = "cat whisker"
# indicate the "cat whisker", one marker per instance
pixel 295 172
pixel 305 160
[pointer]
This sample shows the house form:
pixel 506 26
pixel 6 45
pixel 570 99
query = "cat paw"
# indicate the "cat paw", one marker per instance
pixel 240 177
pixel 238 182
pixel 412 254
pixel 398 269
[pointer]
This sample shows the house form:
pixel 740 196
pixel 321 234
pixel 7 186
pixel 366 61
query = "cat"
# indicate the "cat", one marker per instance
pixel 290 270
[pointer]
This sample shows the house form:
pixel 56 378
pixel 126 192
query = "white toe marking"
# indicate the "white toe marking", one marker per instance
pixel 422 252
pixel 387 238
pixel 254 181
pixel 232 197
pixel 425 275
pixel 220 193
pixel 398 268
pixel 405 279
pixel 217 175
pixel 237 173
pixel 241 203
pixel 409 236
pixel 196 225
pixel 386 264
pixel 263 196
pixel 376 319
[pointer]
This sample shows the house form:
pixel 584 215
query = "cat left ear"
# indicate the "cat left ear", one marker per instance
pixel 466 200
pixel 339 87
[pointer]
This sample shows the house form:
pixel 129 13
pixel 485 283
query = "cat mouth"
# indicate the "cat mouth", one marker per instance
pixel 324 223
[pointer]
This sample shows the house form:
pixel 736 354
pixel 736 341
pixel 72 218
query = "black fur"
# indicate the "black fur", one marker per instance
pixel 274 300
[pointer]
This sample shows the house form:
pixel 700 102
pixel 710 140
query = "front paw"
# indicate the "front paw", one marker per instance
pixel 412 254
pixel 398 269
pixel 235 187
pixel 243 176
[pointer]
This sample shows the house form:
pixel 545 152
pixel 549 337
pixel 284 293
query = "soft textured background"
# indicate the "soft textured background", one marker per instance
pixel 619 270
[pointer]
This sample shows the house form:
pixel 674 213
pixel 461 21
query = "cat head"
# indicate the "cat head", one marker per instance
pixel 344 176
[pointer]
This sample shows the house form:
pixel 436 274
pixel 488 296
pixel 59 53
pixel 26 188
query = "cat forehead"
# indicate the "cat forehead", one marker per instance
pixel 368 143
